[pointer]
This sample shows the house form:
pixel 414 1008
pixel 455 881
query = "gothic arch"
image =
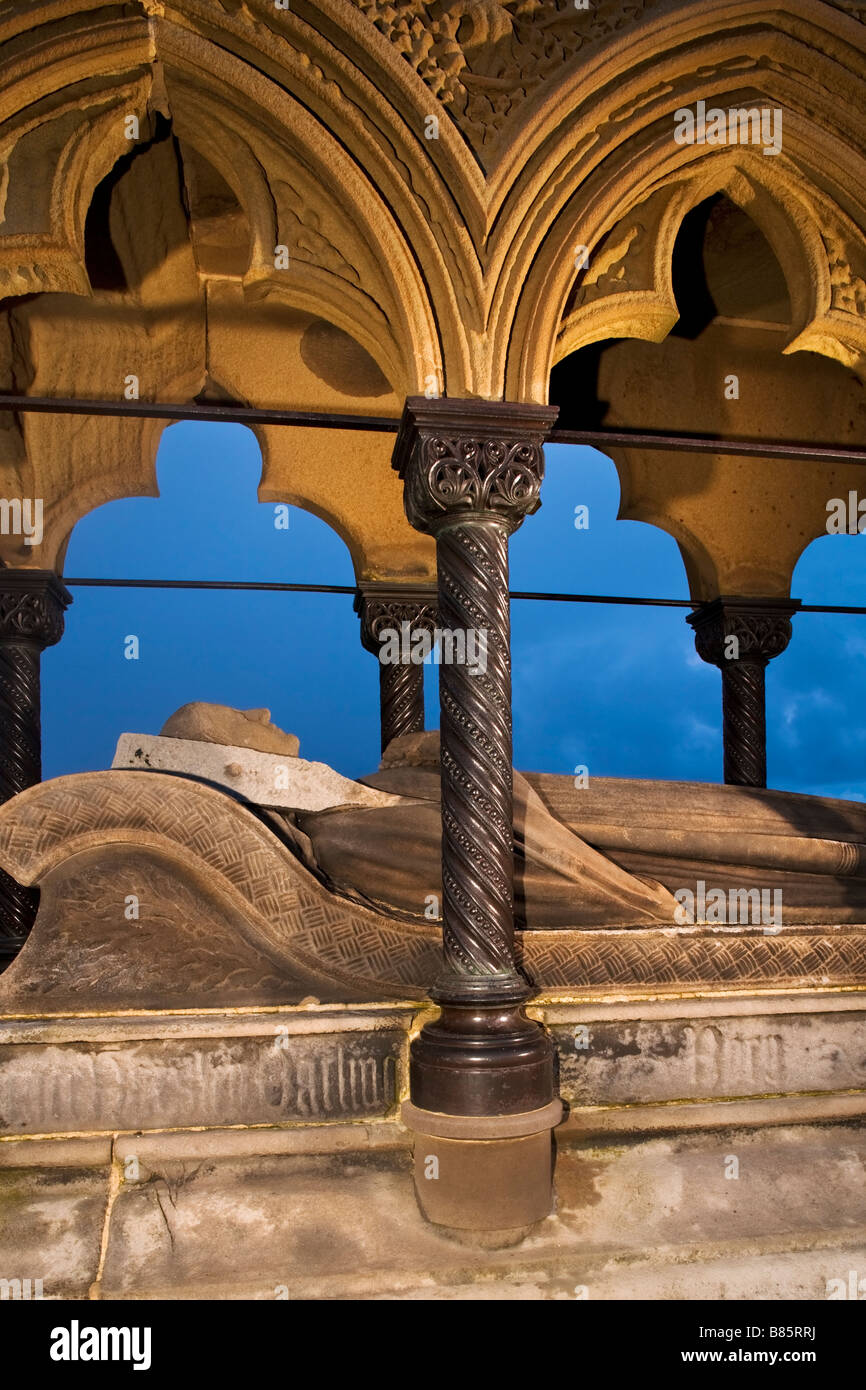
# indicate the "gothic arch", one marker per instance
pixel 447 259
pixel 611 160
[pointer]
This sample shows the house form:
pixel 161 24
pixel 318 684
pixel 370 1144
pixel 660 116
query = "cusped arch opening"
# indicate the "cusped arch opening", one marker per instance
pixel 728 284
pixel 723 371
pixel 161 197
pixel 131 656
pixel 724 268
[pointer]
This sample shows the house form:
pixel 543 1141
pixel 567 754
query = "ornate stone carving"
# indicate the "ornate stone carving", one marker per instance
pixel 741 636
pixel 32 604
pixel 619 265
pixel 847 289
pixel 300 227
pixel 385 605
pixel 474 475
pixel 762 628
pixel 463 459
pixel 484 58
pixel 401 684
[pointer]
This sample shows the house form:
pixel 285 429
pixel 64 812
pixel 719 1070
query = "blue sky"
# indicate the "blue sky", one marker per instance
pixel 620 690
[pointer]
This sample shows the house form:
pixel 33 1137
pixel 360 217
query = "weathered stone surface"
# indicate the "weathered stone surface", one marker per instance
pixel 412 750
pixel 240 728
pixel 278 780
pixel 51 1224
pixel 314 1064
pixel 654 1220
pixel 644 1062
pixel 169 1083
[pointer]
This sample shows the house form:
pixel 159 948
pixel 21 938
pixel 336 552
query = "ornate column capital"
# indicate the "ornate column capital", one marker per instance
pixel 761 626
pixel 461 459
pixel 32 604
pixel 741 636
pixel 383 604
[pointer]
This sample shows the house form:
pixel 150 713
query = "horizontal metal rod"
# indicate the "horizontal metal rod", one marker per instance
pixel 603 598
pixel 312 419
pixel 706 444
pixel 214 414
pixel 350 589
pixel 212 584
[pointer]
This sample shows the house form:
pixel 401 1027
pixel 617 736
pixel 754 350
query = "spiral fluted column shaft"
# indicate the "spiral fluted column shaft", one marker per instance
pixel 741 636
pixel 472 471
pixel 20 717
pixel 397 612
pixel 475 735
pixel 31 618
pixel 744 724
pixel 401 701
pixel 20 767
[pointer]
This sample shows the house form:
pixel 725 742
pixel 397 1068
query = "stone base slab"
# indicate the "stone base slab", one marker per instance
pixel 672 1218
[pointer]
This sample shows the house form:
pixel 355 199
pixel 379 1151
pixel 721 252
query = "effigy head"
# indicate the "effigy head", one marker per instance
pixel 237 728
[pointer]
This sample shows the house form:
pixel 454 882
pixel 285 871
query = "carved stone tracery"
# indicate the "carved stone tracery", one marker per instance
pixel 483 59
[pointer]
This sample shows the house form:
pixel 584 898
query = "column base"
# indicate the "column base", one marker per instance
pixel 482 1059
pixel 490 1176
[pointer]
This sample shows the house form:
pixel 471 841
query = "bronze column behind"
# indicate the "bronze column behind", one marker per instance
pixel 32 603
pixel 385 606
pixel 472 471
pixel 741 636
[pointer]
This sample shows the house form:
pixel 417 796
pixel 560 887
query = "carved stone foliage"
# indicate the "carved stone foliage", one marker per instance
pixel 384 606
pixel 613 267
pixel 762 630
pixel 847 289
pixel 304 233
pixel 31 606
pixel 483 59
pixel 468 458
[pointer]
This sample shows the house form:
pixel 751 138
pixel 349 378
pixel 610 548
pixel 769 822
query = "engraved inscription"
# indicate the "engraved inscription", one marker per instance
pixel 632 1063
pixel 226 1081
pixel 733 1063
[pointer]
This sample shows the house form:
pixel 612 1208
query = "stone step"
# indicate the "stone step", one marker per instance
pixel 664 1218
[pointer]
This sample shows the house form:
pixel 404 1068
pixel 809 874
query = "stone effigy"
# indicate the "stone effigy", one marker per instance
pixel 159 889
pixel 221 724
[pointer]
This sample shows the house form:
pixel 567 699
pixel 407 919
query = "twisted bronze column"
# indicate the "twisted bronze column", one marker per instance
pixel 472 471
pixel 32 603
pixel 385 607
pixel 741 636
